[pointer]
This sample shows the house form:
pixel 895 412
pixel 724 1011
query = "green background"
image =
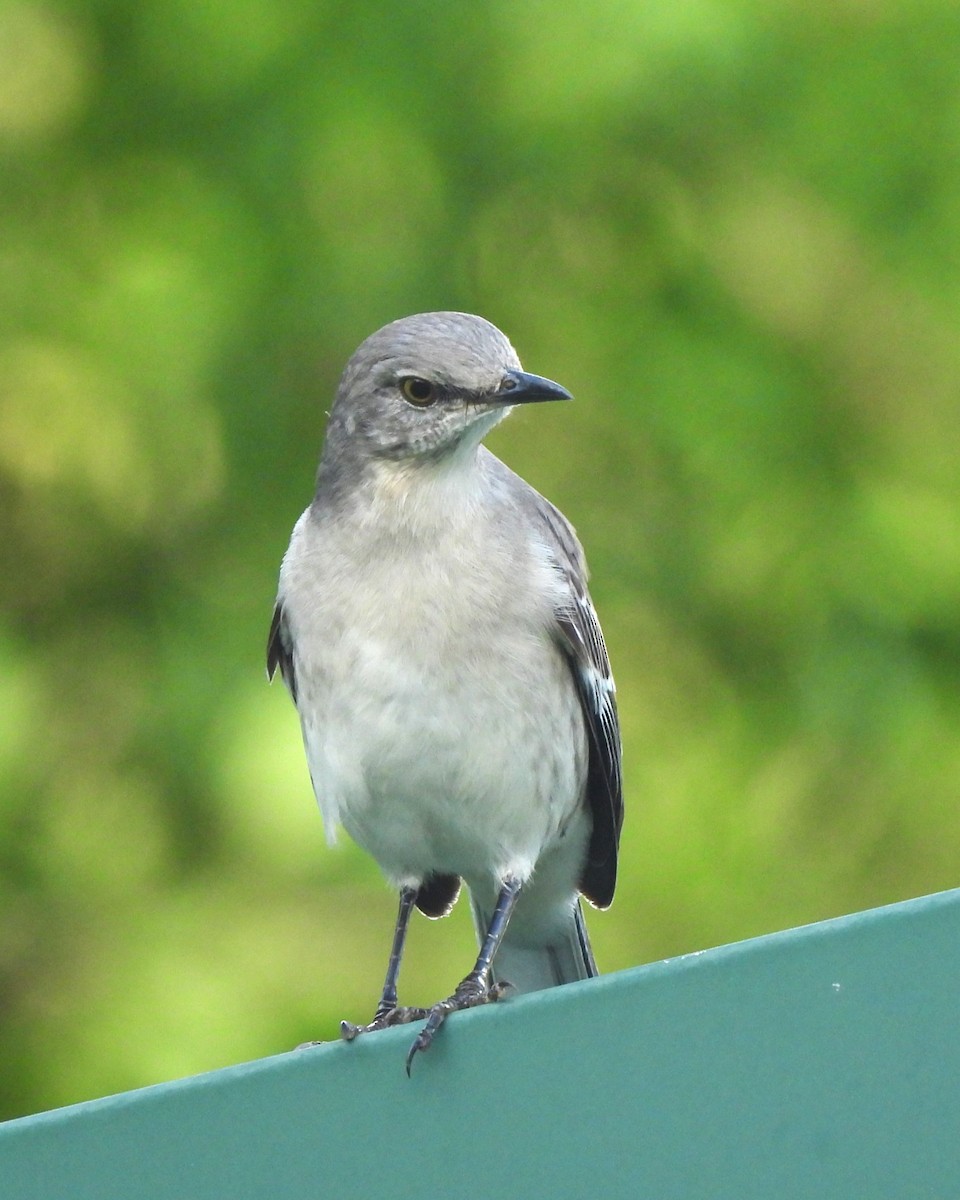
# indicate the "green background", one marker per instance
pixel 732 229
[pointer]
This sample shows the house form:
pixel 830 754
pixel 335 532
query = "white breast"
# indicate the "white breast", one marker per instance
pixel 440 721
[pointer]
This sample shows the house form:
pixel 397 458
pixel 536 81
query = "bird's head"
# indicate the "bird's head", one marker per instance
pixel 428 387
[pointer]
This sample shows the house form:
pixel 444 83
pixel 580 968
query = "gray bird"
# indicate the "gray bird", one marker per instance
pixel 434 630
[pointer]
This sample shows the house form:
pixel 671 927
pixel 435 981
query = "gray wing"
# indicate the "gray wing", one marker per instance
pixel 580 638
pixel 280 651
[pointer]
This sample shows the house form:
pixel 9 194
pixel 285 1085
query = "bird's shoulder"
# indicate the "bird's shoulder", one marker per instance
pixel 543 519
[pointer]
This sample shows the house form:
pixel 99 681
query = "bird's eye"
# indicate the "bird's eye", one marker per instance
pixel 420 392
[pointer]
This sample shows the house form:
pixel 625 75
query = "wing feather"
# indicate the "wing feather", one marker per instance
pixel 280 651
pixel 581 639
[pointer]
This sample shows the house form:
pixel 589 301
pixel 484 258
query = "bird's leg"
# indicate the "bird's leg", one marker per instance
pixel 388 1013
pixel 476 988
pixel 388 1000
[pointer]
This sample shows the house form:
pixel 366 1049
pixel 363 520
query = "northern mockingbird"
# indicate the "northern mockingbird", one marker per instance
pixel 434 629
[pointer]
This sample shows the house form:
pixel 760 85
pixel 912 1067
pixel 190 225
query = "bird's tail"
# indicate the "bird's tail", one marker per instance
pixel 531 962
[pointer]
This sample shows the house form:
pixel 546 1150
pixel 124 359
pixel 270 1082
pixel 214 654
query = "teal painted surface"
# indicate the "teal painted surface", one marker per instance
pixel 823 1062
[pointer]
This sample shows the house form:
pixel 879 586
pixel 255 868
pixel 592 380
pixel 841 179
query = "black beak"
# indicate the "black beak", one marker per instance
pixel 520 387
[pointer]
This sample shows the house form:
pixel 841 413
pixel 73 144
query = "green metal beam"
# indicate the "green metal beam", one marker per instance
pixel 823 1062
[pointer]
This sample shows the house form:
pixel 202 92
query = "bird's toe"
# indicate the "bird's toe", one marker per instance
pixel 470 994
pixel 384 1019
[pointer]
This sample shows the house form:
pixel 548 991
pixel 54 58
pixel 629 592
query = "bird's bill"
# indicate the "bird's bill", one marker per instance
pixel 520 387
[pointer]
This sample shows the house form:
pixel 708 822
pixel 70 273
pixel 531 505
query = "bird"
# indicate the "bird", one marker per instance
pixel 434 629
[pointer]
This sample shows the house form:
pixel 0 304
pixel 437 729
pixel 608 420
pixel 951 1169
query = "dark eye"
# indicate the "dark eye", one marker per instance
pixel 420 392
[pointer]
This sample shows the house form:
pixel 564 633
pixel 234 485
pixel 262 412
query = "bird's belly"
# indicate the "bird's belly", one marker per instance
pixel 473 771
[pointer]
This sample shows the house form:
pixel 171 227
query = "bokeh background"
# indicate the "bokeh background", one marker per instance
pixel 731 227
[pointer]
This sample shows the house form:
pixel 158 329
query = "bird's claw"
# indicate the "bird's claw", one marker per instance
pixel 468 995
pixel 384 1019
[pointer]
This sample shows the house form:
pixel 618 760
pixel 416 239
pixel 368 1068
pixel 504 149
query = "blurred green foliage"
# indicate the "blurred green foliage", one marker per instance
pixel 731 227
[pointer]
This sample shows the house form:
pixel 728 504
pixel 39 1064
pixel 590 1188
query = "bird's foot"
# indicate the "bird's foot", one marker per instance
pixel 469 994
pixel 384 1018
